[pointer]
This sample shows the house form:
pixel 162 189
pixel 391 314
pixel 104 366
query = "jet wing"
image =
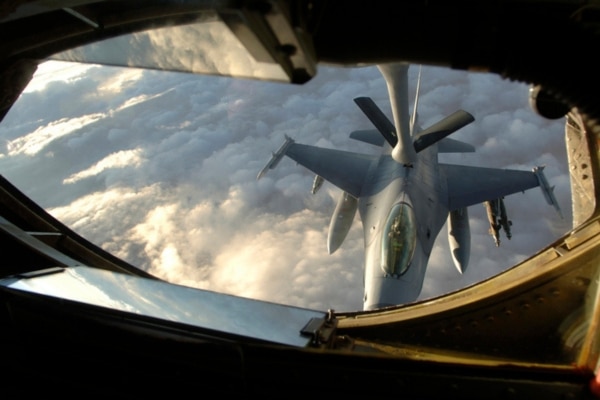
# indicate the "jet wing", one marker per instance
pixel 472 185
pixel 346 170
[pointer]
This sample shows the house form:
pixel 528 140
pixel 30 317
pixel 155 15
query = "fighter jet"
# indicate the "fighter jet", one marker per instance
pixel 405 196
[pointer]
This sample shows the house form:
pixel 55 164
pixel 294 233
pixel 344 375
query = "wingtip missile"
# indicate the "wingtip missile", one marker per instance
pixel 547 190
pixel 317 183
pixel 276 157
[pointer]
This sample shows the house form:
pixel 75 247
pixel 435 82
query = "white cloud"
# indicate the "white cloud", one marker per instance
pixel 51 71
pixel 118 159
pixel 36 141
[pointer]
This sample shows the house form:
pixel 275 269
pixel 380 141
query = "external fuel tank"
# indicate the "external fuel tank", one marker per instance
pixel 459 238
pixel 341 221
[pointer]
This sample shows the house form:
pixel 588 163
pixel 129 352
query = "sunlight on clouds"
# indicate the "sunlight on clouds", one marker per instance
pixel 119 159
pixel 234 203
pixel 137 100
pixel 161 236
pixel 36 141
pixel 125 78
pixel 95 206
pixel 169 257
pixel 259 264
pixel 157 226
pixel 52 71
pixel 242 269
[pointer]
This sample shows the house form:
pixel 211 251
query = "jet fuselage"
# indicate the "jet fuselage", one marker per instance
pixel 388 184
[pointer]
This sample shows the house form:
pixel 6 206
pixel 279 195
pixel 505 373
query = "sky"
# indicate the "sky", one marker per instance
pixel 160 169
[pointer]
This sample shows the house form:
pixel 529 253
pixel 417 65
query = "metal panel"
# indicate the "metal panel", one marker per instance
pixel 271 322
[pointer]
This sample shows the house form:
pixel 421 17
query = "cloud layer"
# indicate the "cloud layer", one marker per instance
pixel 160 169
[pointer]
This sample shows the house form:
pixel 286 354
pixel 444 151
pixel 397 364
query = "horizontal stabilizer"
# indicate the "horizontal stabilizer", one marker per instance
pixel 441 129
pixel 370 136
pixel 448 145
pixel 277 156
pixel 547 190
pixel 378 118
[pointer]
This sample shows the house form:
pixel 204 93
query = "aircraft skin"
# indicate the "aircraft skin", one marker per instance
pixel 404 196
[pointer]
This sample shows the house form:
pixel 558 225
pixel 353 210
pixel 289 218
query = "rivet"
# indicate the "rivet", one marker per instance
pixel 581 281
pixel 540 299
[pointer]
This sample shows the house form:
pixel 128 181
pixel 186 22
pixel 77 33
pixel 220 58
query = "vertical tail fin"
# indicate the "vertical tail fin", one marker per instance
pixel 413 118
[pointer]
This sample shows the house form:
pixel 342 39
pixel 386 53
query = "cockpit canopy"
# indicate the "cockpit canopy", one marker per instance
pixel 399 240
